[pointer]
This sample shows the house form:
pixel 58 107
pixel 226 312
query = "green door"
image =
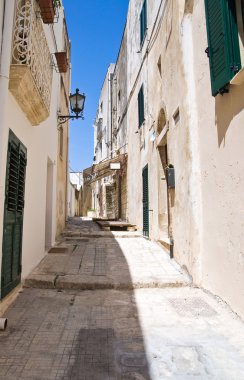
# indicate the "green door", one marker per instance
pixel 145 201
pixel 13 215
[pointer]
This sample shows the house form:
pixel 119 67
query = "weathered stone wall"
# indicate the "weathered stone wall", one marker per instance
pixel 199 135
pixel 86 199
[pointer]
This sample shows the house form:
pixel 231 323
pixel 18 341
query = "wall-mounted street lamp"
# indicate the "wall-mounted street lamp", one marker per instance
pixel 77 102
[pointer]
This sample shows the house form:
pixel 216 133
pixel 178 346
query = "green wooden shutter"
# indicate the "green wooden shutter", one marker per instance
pixel 145 201
pixel 143 22
pixel 141 115
pixel 13 215
pixel 223 43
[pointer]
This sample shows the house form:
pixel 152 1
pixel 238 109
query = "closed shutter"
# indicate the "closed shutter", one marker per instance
pixel 145 201
pixel 13 215
pixel 143 22
pixel 141 115
pixel 223 44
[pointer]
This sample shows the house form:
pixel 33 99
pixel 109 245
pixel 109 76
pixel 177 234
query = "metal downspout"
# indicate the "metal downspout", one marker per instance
pixel 170 235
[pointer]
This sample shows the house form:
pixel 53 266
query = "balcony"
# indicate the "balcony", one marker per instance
pixel 48 10
pixel 62 61
pixel 31 65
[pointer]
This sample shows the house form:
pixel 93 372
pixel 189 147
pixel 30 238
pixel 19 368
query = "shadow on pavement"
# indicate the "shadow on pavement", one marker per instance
pixel 112 346
pixel 73 334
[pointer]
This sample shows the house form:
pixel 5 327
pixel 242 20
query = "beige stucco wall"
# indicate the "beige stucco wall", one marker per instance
pixel 86 199
pixel 62 160
pixel 162 91
pixel 221 135
pixel 204 144
pixel 41 143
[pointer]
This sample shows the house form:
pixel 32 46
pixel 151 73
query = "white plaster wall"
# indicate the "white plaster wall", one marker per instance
pixel 71 200
pixel 206 148
pixel 169 40
pixel 221 132
pixel 6 39
pixel 103 147
pixel 103 150
pixel 41 144
pixel 76 178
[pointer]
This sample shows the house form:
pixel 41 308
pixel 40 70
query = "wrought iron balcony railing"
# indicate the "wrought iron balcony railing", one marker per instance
pixel 31 65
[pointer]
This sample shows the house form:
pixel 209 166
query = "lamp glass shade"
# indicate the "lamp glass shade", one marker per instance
pixel 77 102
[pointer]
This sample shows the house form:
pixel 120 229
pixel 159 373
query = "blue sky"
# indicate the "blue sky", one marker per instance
pixel 95 30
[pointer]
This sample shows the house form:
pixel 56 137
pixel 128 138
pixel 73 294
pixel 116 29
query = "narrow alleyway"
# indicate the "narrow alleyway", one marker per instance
pixel 112 306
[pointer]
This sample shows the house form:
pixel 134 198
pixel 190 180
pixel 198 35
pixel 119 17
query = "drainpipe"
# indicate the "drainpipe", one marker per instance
pixel 170 235
pixel 6 20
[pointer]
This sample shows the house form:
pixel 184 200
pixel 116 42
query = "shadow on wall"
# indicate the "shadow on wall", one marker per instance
pixel 226 108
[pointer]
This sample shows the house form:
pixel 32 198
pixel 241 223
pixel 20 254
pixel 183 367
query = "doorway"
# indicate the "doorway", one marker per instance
pixel 13 215
pixel 163 196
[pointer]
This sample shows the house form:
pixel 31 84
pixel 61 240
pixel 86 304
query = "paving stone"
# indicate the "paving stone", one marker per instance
pixel 107 263
pixel 150 333
pixel 159 344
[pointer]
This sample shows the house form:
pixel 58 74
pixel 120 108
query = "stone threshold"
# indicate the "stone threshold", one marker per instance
pixel 76 282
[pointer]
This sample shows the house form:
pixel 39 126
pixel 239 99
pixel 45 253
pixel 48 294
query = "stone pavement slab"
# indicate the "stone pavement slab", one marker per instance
pixel 143 334
pixel 85 227
pixel 107 263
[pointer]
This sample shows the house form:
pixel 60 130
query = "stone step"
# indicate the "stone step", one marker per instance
pixel 102 234
pixel 78 282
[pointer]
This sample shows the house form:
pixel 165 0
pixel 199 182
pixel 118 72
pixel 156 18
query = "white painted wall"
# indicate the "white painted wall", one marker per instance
pixel 104 114
pixel 102 147
pixel 221 136
pixel 41 144
pixel 205 146
pixel 76 178
pixel 71 200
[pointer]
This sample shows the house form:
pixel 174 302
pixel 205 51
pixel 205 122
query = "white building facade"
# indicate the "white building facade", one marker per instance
pixel 30 87
pixel 178 93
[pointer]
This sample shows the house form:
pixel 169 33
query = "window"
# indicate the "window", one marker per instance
pixel 141 116
pixel 223 44
pixel 143 22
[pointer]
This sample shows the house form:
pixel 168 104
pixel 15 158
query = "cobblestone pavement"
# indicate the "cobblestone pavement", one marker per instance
pixel 179 333
pixel 105 260
pixel 157 334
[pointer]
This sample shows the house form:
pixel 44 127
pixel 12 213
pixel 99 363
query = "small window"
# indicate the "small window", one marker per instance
pixel 119 96
pixel 143 22
pixel 101 107
pixel 141 115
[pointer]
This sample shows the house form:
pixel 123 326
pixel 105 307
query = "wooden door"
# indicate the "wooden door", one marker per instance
pixel 13 215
